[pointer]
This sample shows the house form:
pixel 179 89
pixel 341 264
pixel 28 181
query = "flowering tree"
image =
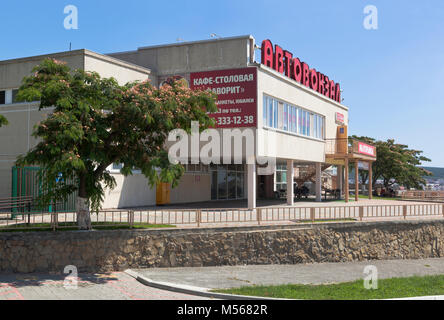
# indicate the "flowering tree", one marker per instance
pixel 396 163
pixel 96 122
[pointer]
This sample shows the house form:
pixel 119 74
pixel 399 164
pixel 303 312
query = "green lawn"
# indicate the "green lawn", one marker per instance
pixel 387 288
pixel 70 226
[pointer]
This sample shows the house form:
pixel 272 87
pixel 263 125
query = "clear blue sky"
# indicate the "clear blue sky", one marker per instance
pixel 392 77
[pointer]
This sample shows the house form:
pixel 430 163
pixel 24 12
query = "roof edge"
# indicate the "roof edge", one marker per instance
pixel 84 52
pixel 178 44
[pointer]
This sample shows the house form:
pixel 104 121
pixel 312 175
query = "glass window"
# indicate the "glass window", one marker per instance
pixel 300 121
pixel 2 97
pixel 322 127
pixel 214 185
pixel 295 120
pixel 285 126
pixel 290 118
pixel 240 185
pixel 280 116
pixel 315 126
pixel 227 182
pixel 265 110
pixel 307 123
pixel 117 166
pixel 221 183
pixel 231 185
pixel 270 112
pixel 275 113
pixel 281 177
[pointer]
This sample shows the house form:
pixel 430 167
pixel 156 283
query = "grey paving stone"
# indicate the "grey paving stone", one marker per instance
pixel 321 273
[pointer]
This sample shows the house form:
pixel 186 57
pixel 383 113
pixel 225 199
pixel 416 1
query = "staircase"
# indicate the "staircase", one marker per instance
pixel 307 173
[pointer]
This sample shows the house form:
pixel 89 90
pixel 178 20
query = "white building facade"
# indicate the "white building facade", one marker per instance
pixel 282 101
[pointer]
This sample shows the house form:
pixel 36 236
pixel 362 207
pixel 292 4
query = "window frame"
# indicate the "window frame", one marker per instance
pixel 292 119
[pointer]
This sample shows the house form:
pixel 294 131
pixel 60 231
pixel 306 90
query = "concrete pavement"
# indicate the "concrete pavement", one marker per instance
pixel 321 273
pixel 113 286
pixel 122 286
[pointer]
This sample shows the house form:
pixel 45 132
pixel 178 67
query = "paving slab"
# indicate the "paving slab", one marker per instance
pixel 111 286
pixel 319 273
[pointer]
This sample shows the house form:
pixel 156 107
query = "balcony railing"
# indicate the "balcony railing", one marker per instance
pixel 344 147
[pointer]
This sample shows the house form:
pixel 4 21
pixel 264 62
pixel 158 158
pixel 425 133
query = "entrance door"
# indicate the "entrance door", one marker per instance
pixel 227 182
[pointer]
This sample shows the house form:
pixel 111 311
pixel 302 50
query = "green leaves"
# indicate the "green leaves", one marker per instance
pixel 3 120
pixel 97 122
pixel 397 163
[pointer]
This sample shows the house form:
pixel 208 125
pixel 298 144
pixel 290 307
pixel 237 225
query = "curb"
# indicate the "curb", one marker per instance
pixel 191 290
pixel 204 292
pixel 420 298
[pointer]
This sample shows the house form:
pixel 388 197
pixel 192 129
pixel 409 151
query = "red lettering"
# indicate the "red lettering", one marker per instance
pixel 332 90
pixel 296 70
pixel 314 80
pixel 278 59
pixel 288 56
pixel 321 83
pixel 267 53
pixel 283 62
pixel 305 74
pixel 338 93
pixel 326 86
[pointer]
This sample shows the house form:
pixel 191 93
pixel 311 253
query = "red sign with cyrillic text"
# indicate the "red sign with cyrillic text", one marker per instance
pixel 236 91
pixel 340 118
pixel 366 149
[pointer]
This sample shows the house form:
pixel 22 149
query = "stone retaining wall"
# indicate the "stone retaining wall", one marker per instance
pixel 100 251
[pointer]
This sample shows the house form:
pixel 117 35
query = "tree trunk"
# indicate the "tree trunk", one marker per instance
pixel 83 214
pixel 82 206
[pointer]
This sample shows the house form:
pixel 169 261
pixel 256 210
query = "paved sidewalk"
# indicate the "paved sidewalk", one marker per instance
pixel 230 204
pixel 113 286
pixel 238 276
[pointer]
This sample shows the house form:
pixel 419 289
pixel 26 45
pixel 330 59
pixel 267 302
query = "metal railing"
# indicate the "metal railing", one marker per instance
pixel 342 147
pixel 19 204
pixel 63 220
pixel 217 217
pixel 423 195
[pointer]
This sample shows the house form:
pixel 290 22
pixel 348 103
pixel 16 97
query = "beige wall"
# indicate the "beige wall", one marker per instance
pixel 135 191
pixel 131 191
pixel 182 58
pixel 15 138
pixel 108 67
pixel 13 71
pixel 192 188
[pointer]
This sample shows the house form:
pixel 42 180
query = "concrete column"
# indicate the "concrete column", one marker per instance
pixel 251 177
pixel 8 97
pixel 347 195
pixel 318 182
pixel 370 181
pixel 290 182
pixel 340 178
pixel 356 180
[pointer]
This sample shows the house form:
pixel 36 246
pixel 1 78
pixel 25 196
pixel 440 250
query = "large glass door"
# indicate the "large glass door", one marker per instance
pixel 227 182
pixel 221 183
